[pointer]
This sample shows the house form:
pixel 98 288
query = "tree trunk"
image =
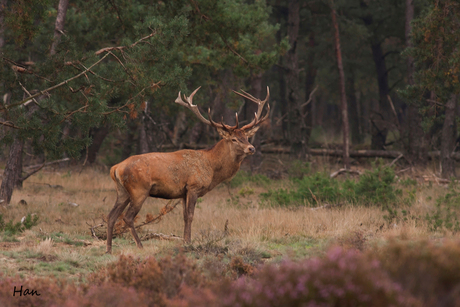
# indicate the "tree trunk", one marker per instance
pixel 296 124
pixel 59 25
pixel 449 132
pixel 220 110
pixel 380 120
pixel 283 104
pixel 310 77
pixel 179 127
pixel 98 135
pixel 343 95
pixel 150 130
pixel 143 143
pixel 129 140
pixel 354 118
pixel 251 108
pixel 2 23
pixel 417 144
pixel 13 171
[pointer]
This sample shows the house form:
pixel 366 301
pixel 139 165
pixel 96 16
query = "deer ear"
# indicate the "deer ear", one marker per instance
pixel 223 133
pixel 251 132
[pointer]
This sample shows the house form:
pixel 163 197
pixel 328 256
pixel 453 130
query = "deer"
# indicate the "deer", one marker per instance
pixel 185 174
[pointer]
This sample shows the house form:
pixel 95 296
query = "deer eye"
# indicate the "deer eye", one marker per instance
pixel 234 140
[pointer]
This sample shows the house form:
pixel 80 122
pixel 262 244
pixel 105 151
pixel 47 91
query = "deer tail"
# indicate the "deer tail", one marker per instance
pixel 113 173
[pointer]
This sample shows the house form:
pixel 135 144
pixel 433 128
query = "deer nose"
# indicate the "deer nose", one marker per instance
pixel 251 150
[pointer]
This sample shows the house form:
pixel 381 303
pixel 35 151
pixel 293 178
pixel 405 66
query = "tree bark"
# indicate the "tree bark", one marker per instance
pixel 417 144
pixel 449 132
pixel 13 171
pixel 129 140
pixel 2 22
pixel 251 108
pixel 354 118
pixel 298 137
pixel 98 136
pixel 310 78
pixel 59 25
pixel 381 118
pixel 343 95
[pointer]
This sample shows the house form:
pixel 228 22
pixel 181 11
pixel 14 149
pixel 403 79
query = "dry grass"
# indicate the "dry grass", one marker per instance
pixel 63 240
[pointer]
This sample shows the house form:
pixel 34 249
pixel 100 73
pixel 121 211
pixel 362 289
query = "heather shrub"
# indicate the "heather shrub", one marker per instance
pixel 107 295
pixel 240 267
pixel 429 271
pixel 342 278
pixel 52 292
pixel 160 279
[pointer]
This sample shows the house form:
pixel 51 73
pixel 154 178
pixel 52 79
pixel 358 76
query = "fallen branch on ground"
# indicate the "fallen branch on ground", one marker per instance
pixel 99 231
pixel 327 206
pixel 344 170
pixel 160 236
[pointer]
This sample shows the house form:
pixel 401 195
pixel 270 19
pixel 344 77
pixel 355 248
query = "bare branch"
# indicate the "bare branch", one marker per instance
pixel 55 86
pixel 309 98
pixel 10 124
pixel 124 47
pixel 33 172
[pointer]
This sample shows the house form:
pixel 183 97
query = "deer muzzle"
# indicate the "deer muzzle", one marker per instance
pixel 250 150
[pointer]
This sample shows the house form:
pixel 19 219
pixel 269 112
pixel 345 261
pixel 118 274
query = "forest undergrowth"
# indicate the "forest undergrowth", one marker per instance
pixel 256 241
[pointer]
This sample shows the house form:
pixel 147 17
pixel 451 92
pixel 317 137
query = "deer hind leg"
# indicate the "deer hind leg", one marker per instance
pixel 133 210
pixel 189 208
pixel 120 205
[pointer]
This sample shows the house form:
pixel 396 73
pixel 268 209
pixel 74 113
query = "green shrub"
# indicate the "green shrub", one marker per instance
pixel 445 214
pixel 376 187
pixel 243 177
pixel 299 169
pixel 12 228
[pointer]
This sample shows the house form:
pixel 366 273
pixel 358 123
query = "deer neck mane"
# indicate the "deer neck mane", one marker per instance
pixel 225 162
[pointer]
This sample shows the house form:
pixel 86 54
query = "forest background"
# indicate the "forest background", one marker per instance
pixel 81 76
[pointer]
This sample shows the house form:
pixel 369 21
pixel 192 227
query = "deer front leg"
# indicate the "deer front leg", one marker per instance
pixel 120 205
pixel 189 209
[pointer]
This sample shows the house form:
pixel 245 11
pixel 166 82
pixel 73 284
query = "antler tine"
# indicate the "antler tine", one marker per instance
pixel 261 103
pixel 247 96
pixel 188 103
pixel 213 123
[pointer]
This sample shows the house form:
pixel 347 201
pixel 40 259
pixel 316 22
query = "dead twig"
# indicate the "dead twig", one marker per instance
pixel 394 161
pixel 160 236
pixel 46 91
pixel 47 163
pixel 327 206
pixel 344 170
pixel 99 231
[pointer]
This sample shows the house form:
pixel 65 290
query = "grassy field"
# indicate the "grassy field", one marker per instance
pixel 61 244
pixel 68 201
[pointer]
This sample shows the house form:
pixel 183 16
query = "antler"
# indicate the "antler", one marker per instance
pixel 194 108
pixel 257 120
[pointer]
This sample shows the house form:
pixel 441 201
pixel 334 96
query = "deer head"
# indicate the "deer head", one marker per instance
pixel 237 137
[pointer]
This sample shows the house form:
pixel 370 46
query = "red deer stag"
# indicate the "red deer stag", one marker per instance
pixel 186 174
